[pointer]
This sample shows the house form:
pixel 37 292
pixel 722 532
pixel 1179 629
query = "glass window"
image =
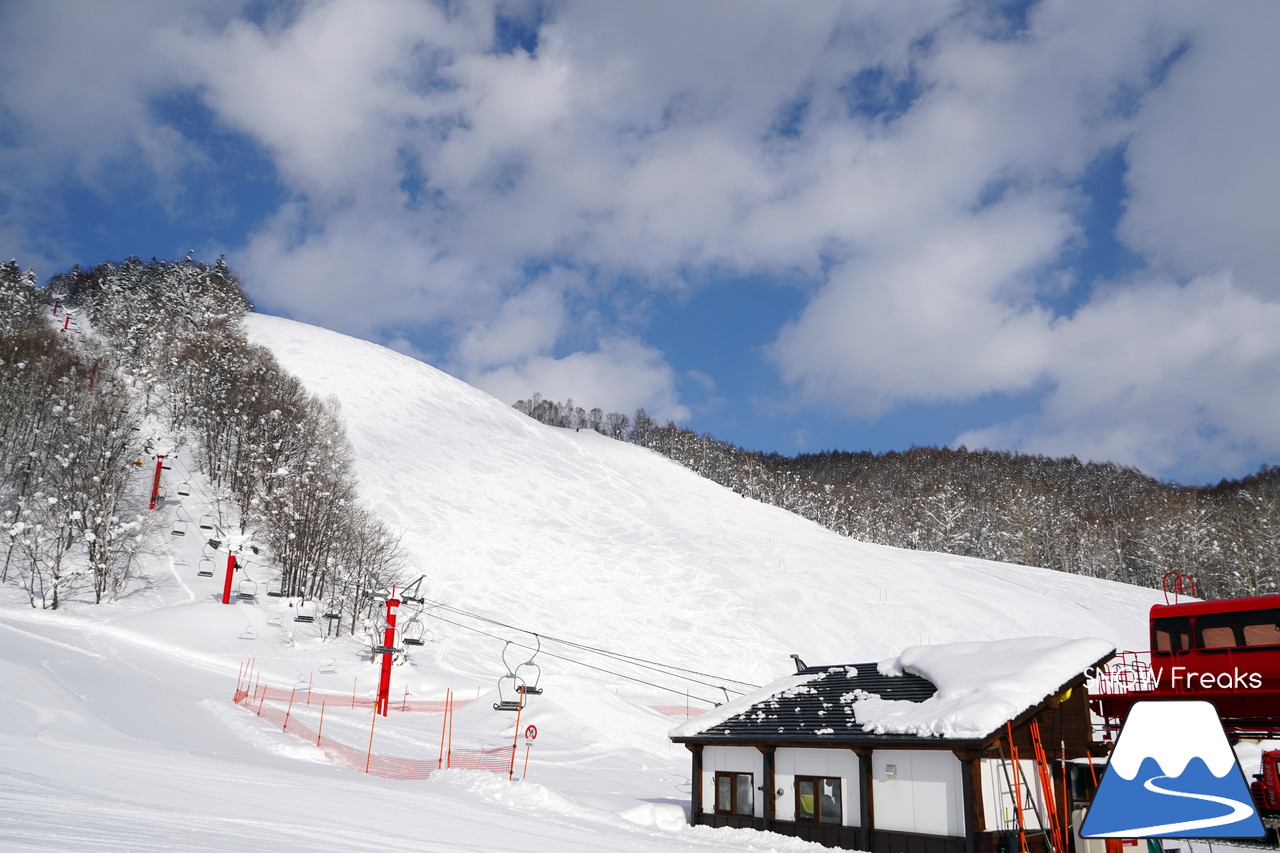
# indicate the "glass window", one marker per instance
pixel 1171 635
pixel 735 793
pixel 818 800
pixel 830 810
pixel 1267 634
pixel 1233 630
pixel 1221 637
pixel 742 799
pixel 804 799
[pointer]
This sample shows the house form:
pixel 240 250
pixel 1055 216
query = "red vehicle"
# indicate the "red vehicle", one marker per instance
pixel 1226 652
pixel 1266 785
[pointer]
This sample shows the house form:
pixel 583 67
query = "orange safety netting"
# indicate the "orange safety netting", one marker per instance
pixel 305 696
pixel 498 759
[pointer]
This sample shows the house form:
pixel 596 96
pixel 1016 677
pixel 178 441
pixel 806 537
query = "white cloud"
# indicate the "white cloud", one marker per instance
pixel 434 181
pixel 1203 172
pixel 621 374
pixel 1161 376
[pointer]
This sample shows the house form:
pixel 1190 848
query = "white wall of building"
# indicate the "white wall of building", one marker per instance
pixel 998 795
pixel 731 759
pixel 840 763
pixel 922 793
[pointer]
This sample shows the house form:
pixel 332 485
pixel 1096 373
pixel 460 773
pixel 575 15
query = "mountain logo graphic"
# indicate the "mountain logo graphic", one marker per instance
pixel 1172 775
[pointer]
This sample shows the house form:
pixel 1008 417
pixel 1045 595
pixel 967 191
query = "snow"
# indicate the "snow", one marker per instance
pixel 981 685
pixel 1172 733
pixel 117 730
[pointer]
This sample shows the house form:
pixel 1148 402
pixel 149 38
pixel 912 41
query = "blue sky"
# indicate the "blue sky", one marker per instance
pixel 1041 226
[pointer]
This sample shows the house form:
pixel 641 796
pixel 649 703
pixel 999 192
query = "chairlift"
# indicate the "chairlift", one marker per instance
pixel 514 687
pixel 205 569
pixel 510 693
pixel 529 667
pixel 184 489
pixel 414 633
pixel 306 611
pixel 247 589
pixel 275 588
pixel 179 527
pixel 332 610
pixel 206 522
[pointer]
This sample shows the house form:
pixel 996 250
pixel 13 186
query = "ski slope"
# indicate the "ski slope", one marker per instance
pixel 117 730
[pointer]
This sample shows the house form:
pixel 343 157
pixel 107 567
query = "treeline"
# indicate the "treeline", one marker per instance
pixel 1096 519
pixel 68 430
pixel 167 339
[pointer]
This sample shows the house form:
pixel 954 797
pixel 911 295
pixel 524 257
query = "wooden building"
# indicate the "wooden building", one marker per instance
pixel 795 759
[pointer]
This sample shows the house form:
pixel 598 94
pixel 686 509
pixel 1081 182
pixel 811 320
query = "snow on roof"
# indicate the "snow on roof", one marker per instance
pixel 981 685
pixel 785 686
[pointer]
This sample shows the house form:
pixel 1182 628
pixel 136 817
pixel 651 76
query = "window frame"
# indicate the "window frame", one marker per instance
pixel 733 804
pixel 818 782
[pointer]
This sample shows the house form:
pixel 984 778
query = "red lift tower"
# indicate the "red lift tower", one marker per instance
pixel 387 650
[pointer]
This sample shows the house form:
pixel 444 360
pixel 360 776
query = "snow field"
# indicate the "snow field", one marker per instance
pixel 117 730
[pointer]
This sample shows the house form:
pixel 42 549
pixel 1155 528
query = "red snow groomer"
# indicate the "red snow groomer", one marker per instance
pixel 1266 785
pixel 1226 652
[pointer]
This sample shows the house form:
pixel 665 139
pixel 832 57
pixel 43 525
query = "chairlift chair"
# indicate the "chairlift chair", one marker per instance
pixel 414 633
pixel 275 588
pixel 205 569
pixel 511 693
pixel 247 589
pixel 528 668
pixel 332 610
pixel 306 611
pixel 179 527
pixel 184 489
pixel 206 522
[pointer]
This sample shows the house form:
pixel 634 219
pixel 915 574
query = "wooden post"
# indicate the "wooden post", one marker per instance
pixel 695 793
pixel 770 784
pixel 866 813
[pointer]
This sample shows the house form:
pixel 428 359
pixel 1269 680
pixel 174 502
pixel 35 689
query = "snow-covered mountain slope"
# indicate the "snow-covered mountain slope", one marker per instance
pixel 580 536
pixel 117 731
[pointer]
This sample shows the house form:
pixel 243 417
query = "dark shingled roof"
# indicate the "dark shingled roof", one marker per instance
pixel 820 711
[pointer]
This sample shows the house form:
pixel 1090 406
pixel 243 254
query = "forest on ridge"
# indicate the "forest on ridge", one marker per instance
pixel 1090 518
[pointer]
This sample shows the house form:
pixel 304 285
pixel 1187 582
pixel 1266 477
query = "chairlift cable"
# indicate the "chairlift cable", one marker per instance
pixel 578 662
pixel 634 660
